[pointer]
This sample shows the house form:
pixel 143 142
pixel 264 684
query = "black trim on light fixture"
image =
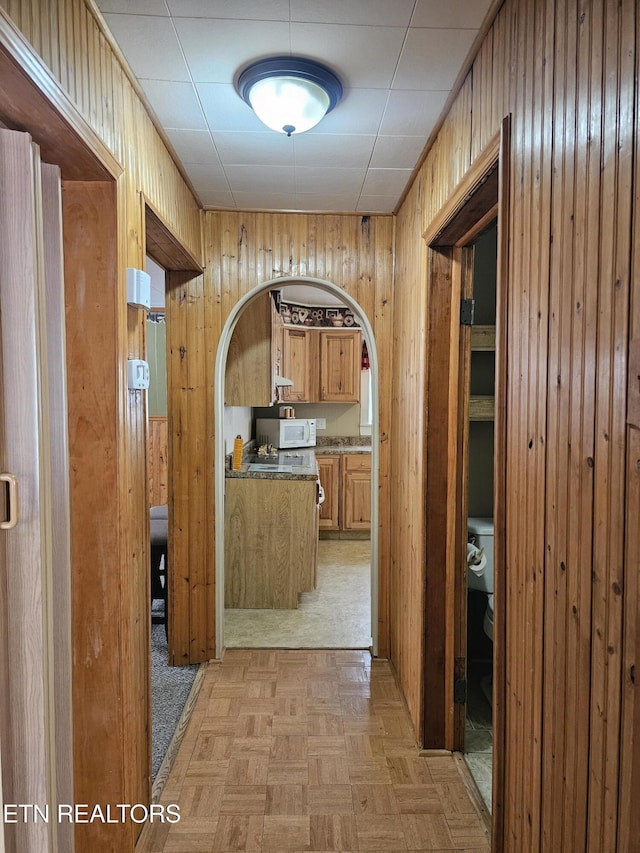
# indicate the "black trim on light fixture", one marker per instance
pixel 290 66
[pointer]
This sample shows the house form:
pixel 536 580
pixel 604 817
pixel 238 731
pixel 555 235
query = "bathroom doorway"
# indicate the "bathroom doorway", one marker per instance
pixel 478 457
pixel 479 203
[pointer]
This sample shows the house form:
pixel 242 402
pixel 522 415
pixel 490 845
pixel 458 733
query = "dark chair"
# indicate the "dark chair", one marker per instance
pixel 159 528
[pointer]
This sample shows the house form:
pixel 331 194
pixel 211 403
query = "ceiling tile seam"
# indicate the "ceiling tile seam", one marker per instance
pixel 197 97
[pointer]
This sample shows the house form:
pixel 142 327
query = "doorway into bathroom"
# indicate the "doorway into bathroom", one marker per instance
pixel 479 369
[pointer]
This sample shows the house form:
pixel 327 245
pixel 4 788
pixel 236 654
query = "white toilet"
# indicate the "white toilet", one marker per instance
pixel 480 564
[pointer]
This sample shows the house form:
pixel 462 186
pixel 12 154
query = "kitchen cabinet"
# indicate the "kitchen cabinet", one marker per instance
pixel 329 468
pixel 255 355
pixel 356 492
pixel 323 364
pixel 299 365
pixel 346 480
pixel 270 540
pixel 340 357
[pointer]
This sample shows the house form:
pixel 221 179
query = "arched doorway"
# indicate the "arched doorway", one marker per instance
pixel 221 360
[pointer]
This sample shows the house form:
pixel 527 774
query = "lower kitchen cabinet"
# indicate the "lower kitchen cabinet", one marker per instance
pixel 355 511
pixel 346 480
pixel 329 467
pixel 270 541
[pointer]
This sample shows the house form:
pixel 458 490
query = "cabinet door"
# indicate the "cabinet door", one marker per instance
pixel 340 354
pixel 330 480
pixel 297 365
pixel 355 496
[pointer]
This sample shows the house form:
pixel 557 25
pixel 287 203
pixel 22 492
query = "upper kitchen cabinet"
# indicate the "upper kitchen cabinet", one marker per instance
pixel 340 355
pixel 324 365
pixel 299 364
pixel 254 356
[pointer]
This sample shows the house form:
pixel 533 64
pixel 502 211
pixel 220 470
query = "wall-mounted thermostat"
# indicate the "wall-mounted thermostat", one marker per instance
pixel 138 288
pixel 137 374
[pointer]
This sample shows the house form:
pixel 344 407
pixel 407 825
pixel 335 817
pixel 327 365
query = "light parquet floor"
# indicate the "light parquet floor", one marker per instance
pixel 309 751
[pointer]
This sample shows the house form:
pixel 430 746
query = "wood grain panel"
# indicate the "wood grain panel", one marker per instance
pixel 27 546
pixel 329 472
pixel 408 456
pixel 270 542
pixel 158 461
pixel 89 215
pixel 59 593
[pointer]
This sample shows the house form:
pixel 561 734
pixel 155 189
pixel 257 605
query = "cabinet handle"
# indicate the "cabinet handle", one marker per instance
pixel 12 520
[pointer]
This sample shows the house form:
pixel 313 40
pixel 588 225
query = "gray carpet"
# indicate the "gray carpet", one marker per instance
pixel 170 686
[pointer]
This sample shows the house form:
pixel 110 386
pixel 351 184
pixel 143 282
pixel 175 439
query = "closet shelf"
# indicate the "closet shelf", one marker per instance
pixel 483 338
pixel 481 408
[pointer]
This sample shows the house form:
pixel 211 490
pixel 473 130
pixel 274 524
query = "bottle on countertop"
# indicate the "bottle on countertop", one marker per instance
pixel 237 453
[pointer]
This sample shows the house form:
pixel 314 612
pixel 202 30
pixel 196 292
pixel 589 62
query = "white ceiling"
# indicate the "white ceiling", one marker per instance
pixel 397 61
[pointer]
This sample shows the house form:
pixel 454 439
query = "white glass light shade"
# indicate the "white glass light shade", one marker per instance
pixel 289 104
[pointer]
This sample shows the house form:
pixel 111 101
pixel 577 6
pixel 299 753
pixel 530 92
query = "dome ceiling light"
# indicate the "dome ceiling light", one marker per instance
pixel 289 94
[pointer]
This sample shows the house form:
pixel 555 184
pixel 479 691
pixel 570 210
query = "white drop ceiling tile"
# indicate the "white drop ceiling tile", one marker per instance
pixel 150 46
pixel 431 59
pixel 175 104
pixel 207 178
pixel 262 10
pixel 225 110
pixel 321 179
pixel 386 181
pixel 377 203
pixel 270 179
pixel 216 50
pixel 327 149
pixel 134 7
pixel 218 200
pixel 397 152
pixel 453 13
pixel 412 113
pixel 193 146
pixel 267 149
pixel 375 13
pixel 340 202
pixel 360 111
pixel 249 200
pixel 362 57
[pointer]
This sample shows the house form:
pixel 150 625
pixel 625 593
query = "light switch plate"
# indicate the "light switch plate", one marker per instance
pixel 321 423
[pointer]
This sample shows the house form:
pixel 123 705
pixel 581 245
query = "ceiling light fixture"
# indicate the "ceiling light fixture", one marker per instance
pixel 288 93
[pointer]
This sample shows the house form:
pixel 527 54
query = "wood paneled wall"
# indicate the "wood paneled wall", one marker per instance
pixel 242 250
pixel 110 527
pixel 565 71
pixel 408 462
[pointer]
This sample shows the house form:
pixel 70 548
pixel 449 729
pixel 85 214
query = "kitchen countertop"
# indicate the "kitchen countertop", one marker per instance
pixel 298 464
pixel 347 444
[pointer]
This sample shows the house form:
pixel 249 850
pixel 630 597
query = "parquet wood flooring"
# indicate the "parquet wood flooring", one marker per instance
pixel 309 751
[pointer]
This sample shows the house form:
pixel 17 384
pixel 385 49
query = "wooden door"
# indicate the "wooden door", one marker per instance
pixel 329 467
pixel 340 354
pixel 298 364
pixel 35 660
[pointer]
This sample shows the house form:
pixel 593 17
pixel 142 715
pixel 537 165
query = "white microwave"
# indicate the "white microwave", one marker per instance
pixel 286 432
